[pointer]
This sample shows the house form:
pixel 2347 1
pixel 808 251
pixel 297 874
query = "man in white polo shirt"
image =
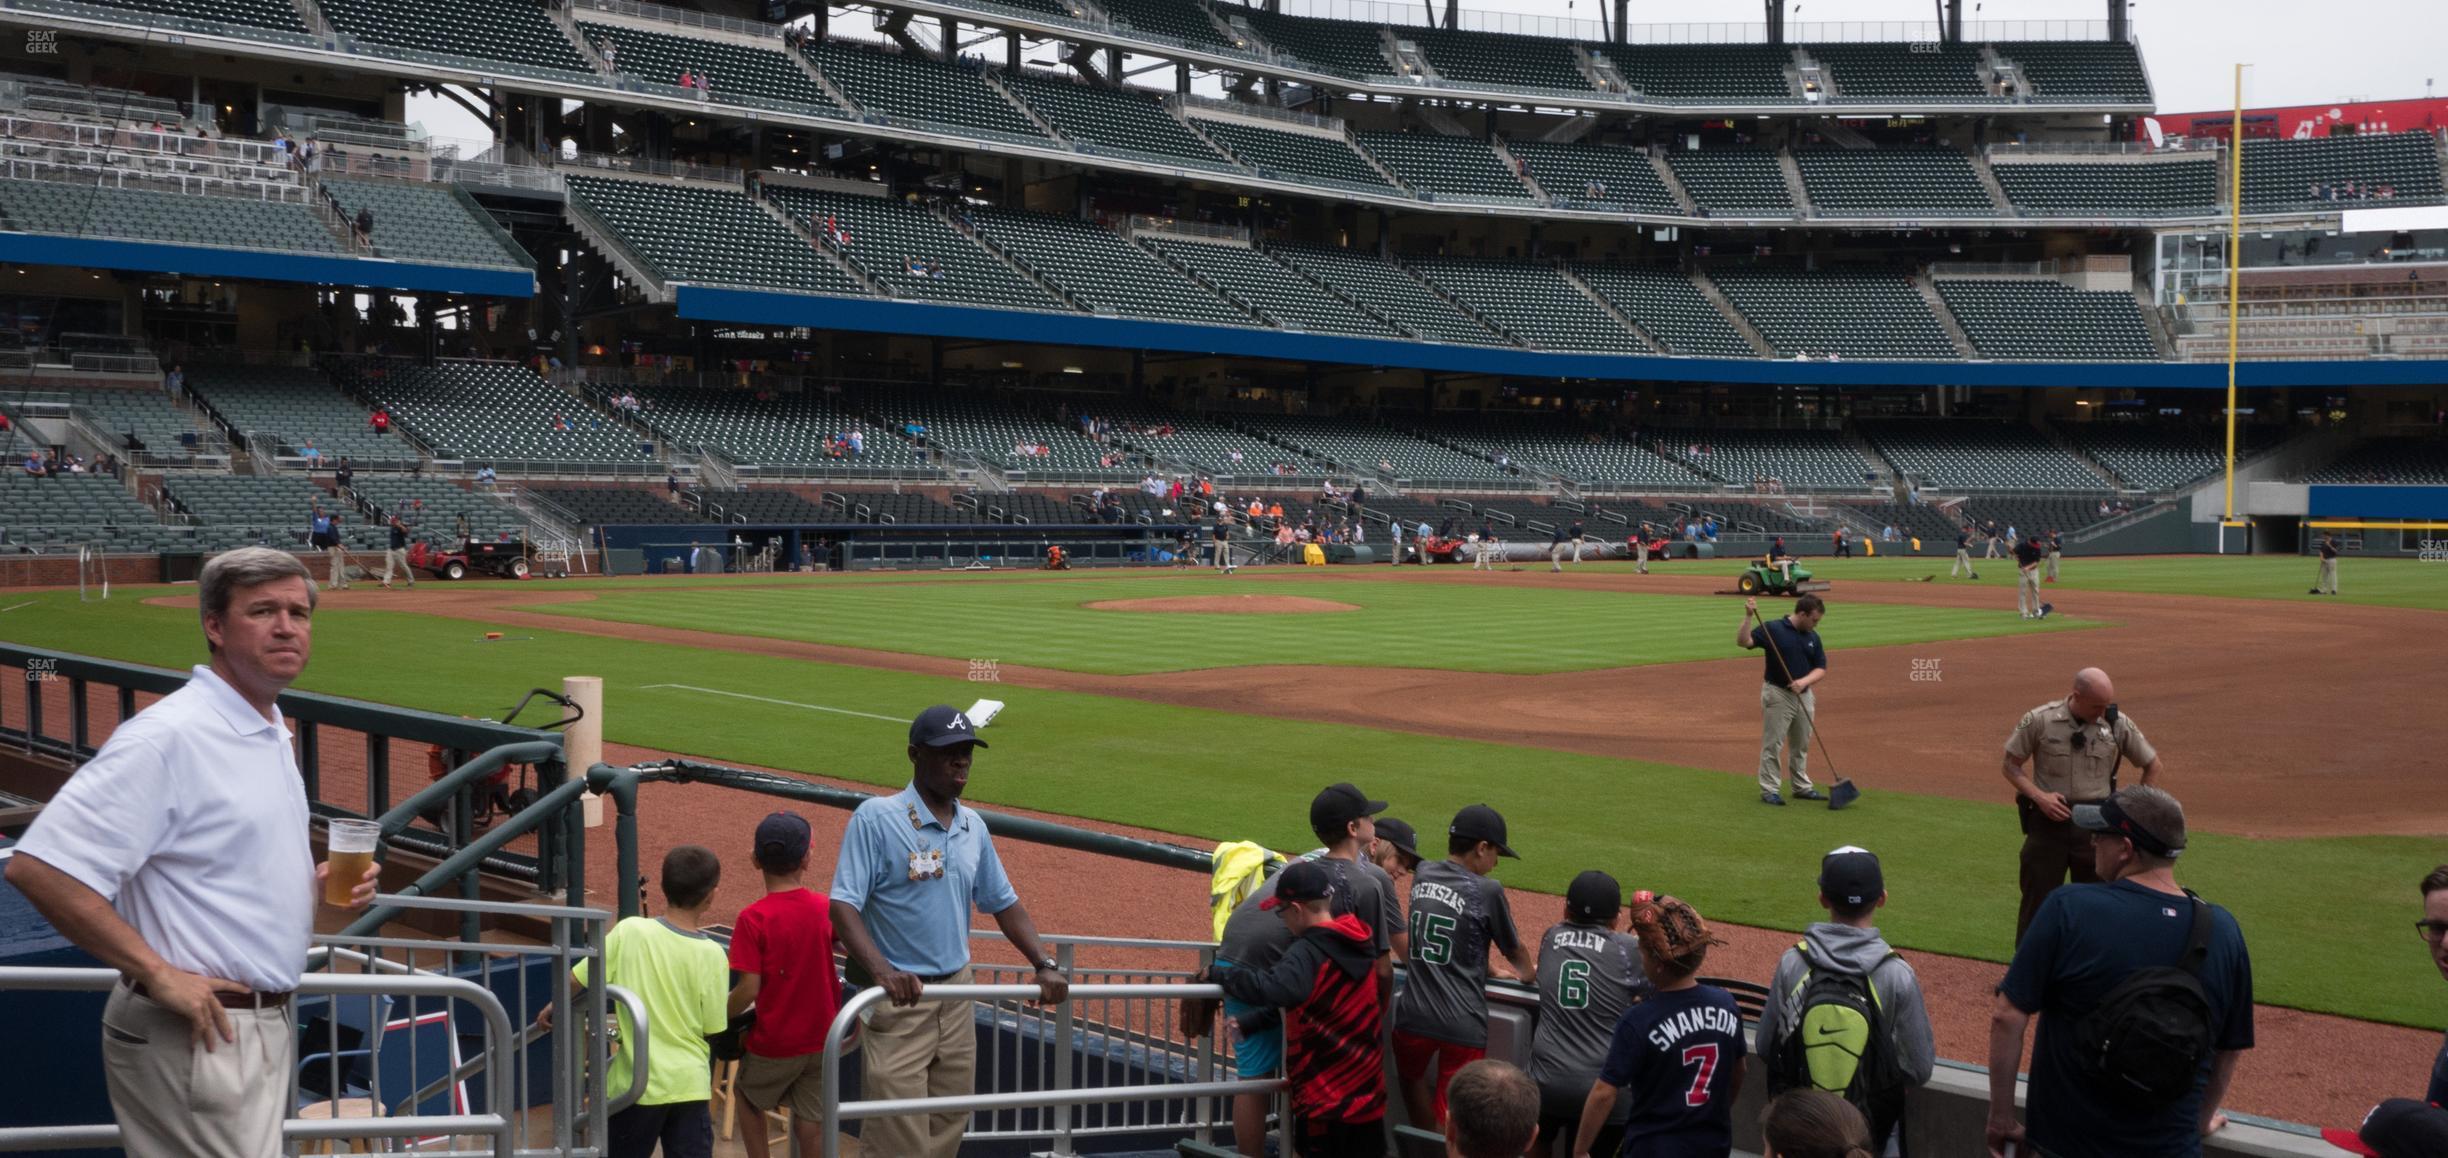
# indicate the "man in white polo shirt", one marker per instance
pixel 178 855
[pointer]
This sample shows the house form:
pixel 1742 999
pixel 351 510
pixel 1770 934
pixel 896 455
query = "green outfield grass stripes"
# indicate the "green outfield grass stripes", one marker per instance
pixel 2395 582
pixel 1454 626
pixel 1950 863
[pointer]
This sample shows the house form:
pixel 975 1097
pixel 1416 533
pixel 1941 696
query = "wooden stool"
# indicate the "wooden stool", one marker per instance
pixel 726 1109
pixel 338 1108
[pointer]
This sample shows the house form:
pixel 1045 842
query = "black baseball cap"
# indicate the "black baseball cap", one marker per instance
pixel 1850 876
pixel 1340 804
pixel 1480 822
pixel 2396 1128
pixel 942 726
pixel 2108 816
pixel 1300 882
pixel 1593 896
pixel 782 838
pixel 1400 834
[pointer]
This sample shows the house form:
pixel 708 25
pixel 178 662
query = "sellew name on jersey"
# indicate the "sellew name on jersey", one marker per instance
pixel 1593 940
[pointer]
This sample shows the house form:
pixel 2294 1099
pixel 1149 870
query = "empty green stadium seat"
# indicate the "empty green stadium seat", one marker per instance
pixel 2069 188
pixel 2080 71
pixel 915 88
pixel 2282 175
pixel 696 233
pixel 2032 319
pixel 1596 176
pixel 1389 292
pixel 1733 182
pixel 1666 304
pixel 138 214
pixel 904 246
pixel 463 33
pixel 1857 313
pixel 1450 168
pixel 1115 120
pixel 1291 155
pixel 731 69
pixel 1893 183
pixel 1532 301
pixel 1101 270
pixel 294 406
pixel 1266 287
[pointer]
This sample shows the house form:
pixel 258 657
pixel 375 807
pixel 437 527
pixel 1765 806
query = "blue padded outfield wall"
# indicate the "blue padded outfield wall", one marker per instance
pixel 2377 502
pixel 263 265
pixel 767 308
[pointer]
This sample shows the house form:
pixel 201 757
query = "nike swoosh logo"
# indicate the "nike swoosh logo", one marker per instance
pixel 1826 1032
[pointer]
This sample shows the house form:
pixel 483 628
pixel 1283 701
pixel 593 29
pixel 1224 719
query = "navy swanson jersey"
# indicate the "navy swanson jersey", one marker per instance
pixel 1675 1057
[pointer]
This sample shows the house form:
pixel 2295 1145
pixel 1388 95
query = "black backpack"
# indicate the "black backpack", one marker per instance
pixel 1843 1041
pixel 2146 1044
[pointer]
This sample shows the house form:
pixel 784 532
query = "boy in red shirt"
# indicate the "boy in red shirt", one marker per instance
pixel 1334 1059
pixel 782 948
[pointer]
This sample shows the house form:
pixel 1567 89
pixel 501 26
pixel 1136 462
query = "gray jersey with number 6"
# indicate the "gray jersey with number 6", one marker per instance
pixel 1455 915
pixel 1587 976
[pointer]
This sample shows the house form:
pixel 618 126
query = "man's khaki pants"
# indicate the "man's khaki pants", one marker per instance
pixel 1642 549
pixel 1555 556
pixel 1576 550
pixel 2328 577
pixel 174 1099
pixel 1479 557
pixel 396 559
pixel 1784 720
pixel 339 565
pixel 2053 556
pixel 1992 550
pixel 1219 552
pixel 1963 564
pixel 2027 591
pixel 926 1050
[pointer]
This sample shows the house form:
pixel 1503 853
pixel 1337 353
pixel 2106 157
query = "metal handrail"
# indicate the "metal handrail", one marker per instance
pixel 836 1111
pixel 498 1035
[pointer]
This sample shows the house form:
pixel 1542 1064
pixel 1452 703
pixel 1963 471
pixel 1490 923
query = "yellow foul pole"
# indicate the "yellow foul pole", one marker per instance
pixel 2235 287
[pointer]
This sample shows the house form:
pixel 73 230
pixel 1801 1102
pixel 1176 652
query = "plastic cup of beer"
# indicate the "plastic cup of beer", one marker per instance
pixel 350 848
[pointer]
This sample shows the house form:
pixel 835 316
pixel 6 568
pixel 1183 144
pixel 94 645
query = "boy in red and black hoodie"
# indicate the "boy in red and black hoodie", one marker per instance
pixel 1333 1061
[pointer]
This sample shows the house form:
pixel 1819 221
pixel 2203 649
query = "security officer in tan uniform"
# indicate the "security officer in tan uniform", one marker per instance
pixel 2074 747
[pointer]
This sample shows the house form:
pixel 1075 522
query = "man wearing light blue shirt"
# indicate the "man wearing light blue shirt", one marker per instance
pixel 912 866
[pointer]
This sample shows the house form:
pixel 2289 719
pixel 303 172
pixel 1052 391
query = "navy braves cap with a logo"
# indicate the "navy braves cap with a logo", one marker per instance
pixel 2396 1128
pixel 942 726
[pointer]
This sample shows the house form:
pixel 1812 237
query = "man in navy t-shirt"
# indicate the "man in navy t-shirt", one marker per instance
pixel 2084 942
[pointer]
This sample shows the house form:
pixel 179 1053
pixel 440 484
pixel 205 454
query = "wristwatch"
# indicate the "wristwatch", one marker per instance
pixel 1049 965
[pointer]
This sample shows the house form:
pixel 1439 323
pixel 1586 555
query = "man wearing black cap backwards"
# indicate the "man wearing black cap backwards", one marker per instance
pixel 912 864
pixel 1457 911
pixel 2087 941
pixel 1589 972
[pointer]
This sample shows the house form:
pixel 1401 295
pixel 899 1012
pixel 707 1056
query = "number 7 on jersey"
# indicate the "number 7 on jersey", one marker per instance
pixel 1706 1057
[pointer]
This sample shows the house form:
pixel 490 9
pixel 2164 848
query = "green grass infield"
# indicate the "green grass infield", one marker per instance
pixel 1216 775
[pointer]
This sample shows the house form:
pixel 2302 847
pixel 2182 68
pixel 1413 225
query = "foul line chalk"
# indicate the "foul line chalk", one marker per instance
pixel 770 700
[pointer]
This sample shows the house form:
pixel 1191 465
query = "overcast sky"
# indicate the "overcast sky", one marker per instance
pixel 2346 49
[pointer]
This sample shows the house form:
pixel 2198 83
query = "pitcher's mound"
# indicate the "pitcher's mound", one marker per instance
pixel 1226 605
